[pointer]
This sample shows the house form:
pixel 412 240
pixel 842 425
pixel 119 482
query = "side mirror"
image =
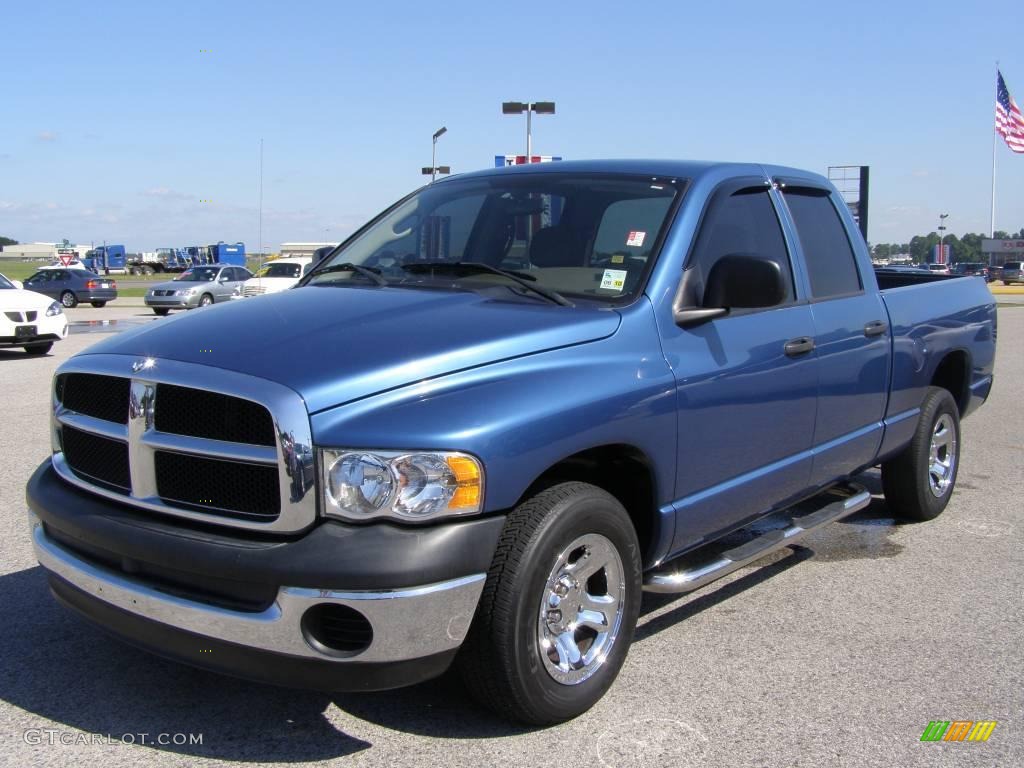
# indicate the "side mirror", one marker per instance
pixel 742 281
pixel 736 281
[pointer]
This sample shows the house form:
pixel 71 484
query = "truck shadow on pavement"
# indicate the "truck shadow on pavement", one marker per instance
pixel 69 676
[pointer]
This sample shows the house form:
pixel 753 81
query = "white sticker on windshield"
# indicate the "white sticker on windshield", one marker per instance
pixel 636 239
pixel 614 279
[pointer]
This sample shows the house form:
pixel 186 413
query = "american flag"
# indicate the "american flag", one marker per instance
pixel 1009 121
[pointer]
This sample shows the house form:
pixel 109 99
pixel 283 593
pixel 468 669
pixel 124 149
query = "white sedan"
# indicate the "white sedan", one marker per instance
pixel 29 319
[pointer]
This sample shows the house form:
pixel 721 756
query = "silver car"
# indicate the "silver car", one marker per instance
pixel 196 287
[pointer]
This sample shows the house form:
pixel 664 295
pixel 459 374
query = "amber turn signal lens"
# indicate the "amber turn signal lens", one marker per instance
pixel 467 475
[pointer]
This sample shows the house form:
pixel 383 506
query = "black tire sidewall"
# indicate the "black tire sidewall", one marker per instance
pixel 924 505
pixel 593 512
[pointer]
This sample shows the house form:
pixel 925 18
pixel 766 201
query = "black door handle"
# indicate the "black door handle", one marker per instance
pixel 875 328
pixel 800 346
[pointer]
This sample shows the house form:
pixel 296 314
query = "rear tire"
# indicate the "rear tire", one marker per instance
pixel 559 607
pixel 919 482
pixel 161 310
pixel 39 349
pixel 69 300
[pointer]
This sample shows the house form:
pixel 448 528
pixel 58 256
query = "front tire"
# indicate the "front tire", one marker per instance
pixel 162 311
pixel 559 607
pixel 205 300
pixel 919 482
pixel 98 304
pixel 39 349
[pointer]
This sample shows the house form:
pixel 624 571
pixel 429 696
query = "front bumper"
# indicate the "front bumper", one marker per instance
pixel 172 302
pixel 418 620
pixel 52 328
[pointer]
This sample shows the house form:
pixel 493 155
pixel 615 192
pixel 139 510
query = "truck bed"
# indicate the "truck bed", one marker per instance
pixel 935 320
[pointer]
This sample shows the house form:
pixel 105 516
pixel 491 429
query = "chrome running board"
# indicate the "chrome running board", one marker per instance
pixel 673 580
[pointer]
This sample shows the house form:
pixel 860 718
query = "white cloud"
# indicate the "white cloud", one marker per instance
pixel 167 194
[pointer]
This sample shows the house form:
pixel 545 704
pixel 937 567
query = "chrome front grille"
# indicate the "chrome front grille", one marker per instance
pixel 184 439
pixel 253 290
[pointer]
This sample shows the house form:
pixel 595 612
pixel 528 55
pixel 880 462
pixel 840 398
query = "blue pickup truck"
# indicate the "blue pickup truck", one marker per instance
pixel 481 460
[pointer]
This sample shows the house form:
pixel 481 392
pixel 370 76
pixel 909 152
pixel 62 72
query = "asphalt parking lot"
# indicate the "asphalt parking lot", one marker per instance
pixel 836 652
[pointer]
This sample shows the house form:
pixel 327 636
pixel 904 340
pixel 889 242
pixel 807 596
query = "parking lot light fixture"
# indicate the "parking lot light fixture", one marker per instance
pixel 942 234
pixel 529 107
pixel 434 170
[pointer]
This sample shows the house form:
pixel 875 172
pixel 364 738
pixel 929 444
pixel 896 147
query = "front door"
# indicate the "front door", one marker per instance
pixel 746 407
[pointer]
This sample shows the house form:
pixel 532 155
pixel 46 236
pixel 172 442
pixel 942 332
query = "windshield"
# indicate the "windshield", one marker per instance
pixel 198 275
pixel 5 283
pixel 1012 265
pixel 585 235
pixel 281 270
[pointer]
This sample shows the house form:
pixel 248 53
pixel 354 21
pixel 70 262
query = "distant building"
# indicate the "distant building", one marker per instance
pixel 998 252
pixel 39 251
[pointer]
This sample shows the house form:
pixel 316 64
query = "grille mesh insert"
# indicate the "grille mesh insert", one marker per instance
pixel 102 397
pixel 218 487
pixel 97 459
pixel 198 413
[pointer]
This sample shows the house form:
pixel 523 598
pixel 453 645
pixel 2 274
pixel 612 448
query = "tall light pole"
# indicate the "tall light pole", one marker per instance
pixel 529 107
pixel 942 235
pixel 433 152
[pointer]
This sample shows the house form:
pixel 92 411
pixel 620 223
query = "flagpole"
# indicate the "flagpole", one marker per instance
pixel 992 221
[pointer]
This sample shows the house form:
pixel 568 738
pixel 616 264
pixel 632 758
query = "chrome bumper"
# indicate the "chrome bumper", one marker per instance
pixel 407 623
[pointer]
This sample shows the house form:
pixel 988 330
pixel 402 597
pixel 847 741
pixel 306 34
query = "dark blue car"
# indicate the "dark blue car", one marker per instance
pixel 70 286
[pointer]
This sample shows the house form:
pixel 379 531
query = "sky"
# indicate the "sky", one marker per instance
pixel 140 123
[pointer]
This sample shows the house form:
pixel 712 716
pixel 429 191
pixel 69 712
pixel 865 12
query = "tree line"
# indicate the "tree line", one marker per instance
pixel 966 248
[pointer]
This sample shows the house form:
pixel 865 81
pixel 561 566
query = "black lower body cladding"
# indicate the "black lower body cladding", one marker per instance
pixel 337 607
pixel 332 555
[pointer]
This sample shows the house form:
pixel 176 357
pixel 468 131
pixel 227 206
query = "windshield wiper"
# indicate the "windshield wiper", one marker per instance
pixel 478 267
pixel 373 275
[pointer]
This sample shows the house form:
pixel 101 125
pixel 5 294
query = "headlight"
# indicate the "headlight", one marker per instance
pixel 54 309
pixel 365 485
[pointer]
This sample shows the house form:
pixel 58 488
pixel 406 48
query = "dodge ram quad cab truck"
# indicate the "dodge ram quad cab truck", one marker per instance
pixel 407 463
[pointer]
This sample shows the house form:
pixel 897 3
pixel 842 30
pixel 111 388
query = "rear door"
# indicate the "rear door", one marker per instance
pixel 746 407
pixel 851 334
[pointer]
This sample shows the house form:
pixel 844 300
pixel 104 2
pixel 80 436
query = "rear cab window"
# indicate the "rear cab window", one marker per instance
pixel 828 255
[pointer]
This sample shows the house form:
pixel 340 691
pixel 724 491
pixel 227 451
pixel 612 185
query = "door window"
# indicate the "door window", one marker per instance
pixel 738 222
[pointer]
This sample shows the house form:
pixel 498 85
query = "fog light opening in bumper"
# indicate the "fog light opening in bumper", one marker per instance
pixel 336 630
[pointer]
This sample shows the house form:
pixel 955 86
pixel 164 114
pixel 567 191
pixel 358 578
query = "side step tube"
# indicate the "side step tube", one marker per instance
pixel 697 576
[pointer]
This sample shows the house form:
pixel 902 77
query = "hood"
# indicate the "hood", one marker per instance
pixel 177 285
pixel 336 344
pixel 20 300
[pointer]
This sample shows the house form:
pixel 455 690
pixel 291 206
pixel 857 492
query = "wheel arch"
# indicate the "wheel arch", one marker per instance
pixel 953 374
pixel 624 471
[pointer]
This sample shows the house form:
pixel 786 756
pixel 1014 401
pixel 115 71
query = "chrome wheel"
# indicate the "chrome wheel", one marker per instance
pixel 942 456
pixel 581 609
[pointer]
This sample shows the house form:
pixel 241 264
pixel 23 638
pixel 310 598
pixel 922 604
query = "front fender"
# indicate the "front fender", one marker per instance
pixel 522 416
